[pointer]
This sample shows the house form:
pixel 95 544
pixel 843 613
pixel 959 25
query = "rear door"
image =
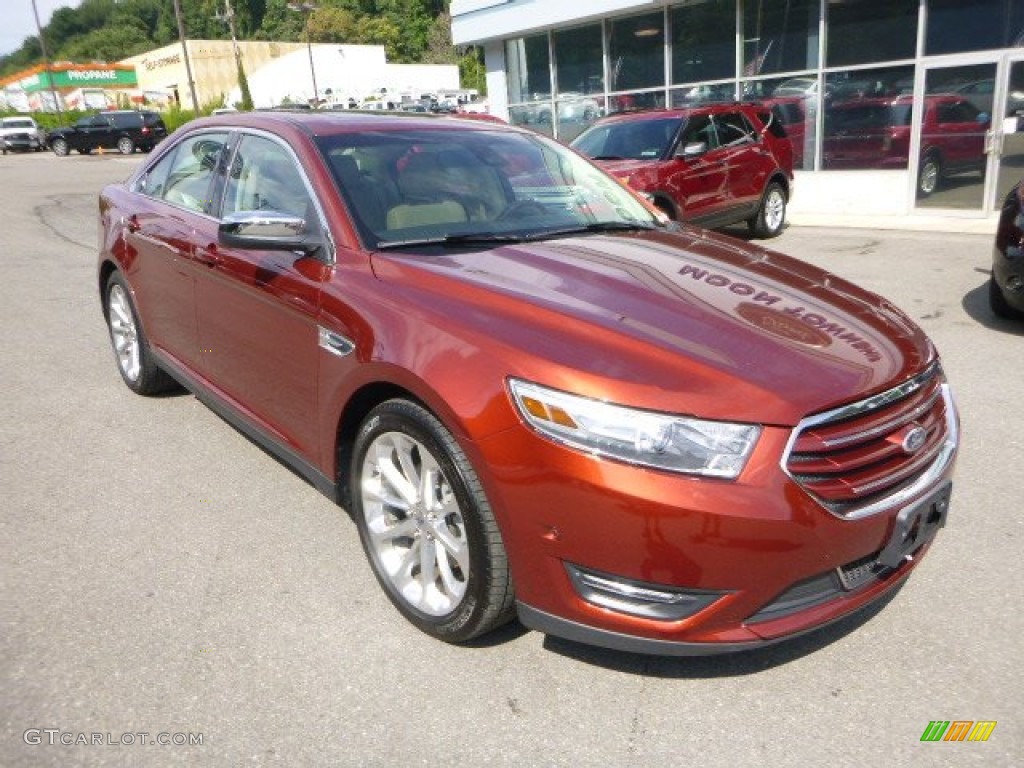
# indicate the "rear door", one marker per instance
pixel 162 234
pixel 749 162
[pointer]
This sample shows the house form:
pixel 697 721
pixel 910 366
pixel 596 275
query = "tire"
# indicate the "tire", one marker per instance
pixel 426 526
pixel 131 350
pixel 929 176
pixel 85 151
pixel 998 303
pixel 125 145
pixel 771 214
pixel 60 147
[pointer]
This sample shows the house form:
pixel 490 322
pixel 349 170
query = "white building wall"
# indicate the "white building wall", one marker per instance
pixel 475 21
pixel 348 71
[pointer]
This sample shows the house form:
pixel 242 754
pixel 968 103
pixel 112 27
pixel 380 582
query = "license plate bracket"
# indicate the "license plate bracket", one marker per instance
pixel 915 525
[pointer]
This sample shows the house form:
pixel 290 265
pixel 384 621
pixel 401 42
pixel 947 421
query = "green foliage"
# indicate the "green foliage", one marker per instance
pixel 472 70
pixel 412 31
pixel 246 103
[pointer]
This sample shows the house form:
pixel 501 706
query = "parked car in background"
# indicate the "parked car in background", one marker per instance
pixel 875 133
pixel 21 134
pixel 123 130
pixel 533 396
pixel 1006 285
pixel 713 164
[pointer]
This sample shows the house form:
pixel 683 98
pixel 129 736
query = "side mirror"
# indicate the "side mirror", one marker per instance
pixel 267 231
pixel 983 118
pixel 693 149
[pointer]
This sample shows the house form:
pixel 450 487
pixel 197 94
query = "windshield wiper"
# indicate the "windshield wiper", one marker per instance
pixel 468 239
pixel 596 227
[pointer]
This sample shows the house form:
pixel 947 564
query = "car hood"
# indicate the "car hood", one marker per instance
pixel 689 323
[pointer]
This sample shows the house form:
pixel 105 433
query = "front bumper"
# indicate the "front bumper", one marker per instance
pixel 20 144
pixel 777 563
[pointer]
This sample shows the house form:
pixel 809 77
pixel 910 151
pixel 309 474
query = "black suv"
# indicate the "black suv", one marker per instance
pixel 124 130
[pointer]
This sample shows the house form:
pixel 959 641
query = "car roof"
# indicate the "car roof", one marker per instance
pixel 330 122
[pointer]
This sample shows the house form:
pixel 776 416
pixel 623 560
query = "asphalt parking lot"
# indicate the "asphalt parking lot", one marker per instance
pixel 162 575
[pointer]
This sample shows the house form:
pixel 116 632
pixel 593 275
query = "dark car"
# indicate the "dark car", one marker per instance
pixel 1006 286
pixel 123 130
pixel 534 396
pixel 875 133
pixel 713 164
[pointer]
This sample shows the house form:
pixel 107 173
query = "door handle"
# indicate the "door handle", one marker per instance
pixel 207 255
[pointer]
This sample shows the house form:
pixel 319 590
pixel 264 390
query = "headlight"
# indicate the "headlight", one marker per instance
pixel 661 440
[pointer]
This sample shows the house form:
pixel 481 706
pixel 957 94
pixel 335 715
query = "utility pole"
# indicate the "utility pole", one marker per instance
pixel 184 51
pixel 305 8
pixel 46 62
pixel 229 17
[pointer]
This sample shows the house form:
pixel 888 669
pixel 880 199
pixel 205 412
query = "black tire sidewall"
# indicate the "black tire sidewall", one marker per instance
pixel 408 418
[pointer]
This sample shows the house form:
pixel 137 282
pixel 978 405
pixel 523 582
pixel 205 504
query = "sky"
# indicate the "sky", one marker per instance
pixel 17 21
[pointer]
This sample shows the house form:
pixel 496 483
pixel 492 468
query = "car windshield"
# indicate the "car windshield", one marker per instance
pixel 461 188
pixel 18 123
pixel 646 139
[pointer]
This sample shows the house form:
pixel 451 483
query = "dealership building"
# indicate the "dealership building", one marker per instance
pixel 877 94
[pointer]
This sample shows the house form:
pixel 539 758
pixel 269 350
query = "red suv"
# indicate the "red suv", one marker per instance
pixel 534 397
pixel 713 164
pixel 875 133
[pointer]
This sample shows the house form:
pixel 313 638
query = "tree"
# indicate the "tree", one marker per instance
pixel 332 25
pixel 439 48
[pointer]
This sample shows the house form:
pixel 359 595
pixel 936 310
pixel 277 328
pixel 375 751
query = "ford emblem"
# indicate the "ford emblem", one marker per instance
pixel 914 440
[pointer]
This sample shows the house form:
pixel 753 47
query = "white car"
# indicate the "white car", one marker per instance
pixel 21 134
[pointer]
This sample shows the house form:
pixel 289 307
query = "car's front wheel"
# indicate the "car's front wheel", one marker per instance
pixel 60 147
pixel 426 525
pixel 771 216
pixel 125 145
pixel 134 360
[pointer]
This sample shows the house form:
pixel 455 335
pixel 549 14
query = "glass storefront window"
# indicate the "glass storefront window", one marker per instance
pixel 955 26
pixel 529 68
pixel 705 92
pixel 703 41
pixel 636 49
pixel 794 103
pixel 779 36
pixel 576 112
pixel 867 118
pixel 627 102
pixel 578 60
pixel 869 31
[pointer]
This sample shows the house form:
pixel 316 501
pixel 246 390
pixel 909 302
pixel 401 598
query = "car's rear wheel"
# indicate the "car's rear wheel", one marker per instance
pixel 125 145
pixel 85 151
pixel 929 176
pixel 998 303
pixel 771 215
pixel 60 147
pixel 134 360
pixel 426 525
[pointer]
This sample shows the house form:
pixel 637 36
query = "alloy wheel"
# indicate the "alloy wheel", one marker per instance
pixel 124 332
pixel 416 531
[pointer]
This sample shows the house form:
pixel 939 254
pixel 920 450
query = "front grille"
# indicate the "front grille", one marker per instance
pixel 872 454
